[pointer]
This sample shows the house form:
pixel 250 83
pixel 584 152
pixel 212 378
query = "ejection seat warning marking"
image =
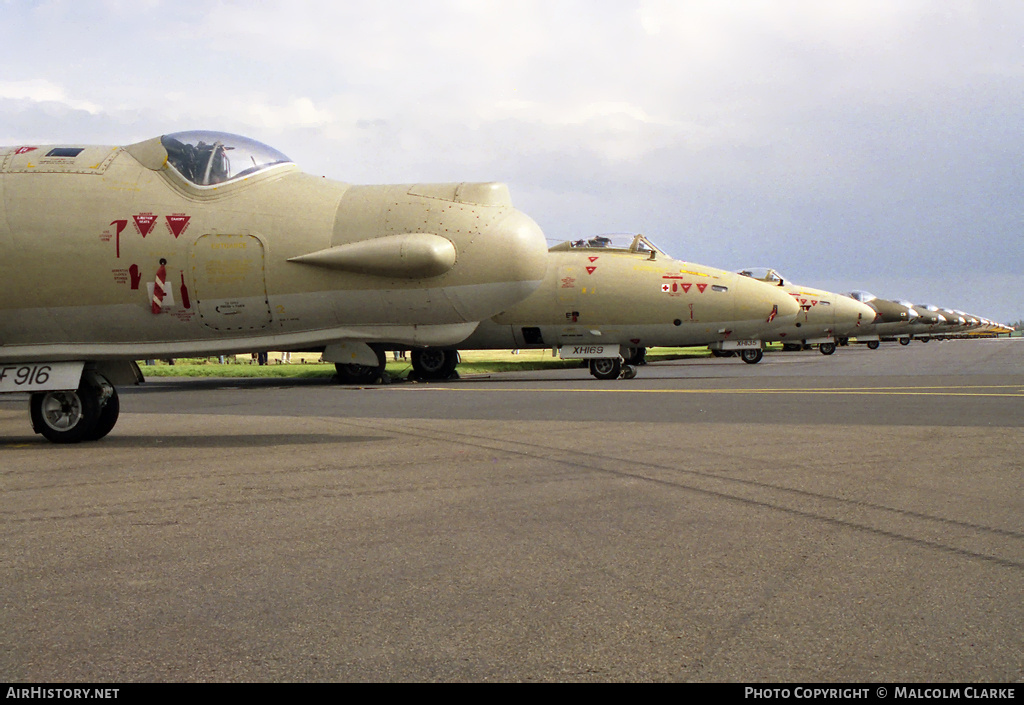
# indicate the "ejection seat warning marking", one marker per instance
pixel 144 223
pixel 40 377
pixel 590 270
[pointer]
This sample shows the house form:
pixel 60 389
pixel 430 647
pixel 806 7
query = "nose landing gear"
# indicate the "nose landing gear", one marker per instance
pixel 87 414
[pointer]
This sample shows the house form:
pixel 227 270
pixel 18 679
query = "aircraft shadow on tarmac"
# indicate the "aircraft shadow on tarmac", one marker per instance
pixel 254 440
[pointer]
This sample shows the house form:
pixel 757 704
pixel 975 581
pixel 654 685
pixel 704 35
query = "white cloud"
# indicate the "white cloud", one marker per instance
pixel 43 91
pixel 851 128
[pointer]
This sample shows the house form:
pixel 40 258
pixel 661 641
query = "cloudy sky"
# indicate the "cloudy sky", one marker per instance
pixel 851 144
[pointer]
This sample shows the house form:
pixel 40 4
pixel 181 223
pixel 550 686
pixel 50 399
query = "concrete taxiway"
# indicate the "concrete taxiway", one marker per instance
pixel 858 517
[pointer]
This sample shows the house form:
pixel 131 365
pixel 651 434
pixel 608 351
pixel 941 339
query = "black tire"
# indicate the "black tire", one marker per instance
pixel 606 367
pixel 827 348
pixel 636 356
pixel 751 356
pixel 723 353
pixel 362 374
pixel 873 345
pixel 434 363
pixel 904 341
pixel 108 417
pixel 65 417
pixel 792 347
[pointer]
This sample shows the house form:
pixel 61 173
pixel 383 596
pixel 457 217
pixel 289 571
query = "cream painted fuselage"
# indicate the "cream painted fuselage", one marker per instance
pixel 635 299
pixel 201 242
pixel 274 259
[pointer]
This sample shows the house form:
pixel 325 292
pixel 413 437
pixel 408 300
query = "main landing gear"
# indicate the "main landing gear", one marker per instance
pixel 87 414
pixel 362 374
pixel 434 364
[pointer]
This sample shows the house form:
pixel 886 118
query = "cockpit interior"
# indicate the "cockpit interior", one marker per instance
pixel 206 158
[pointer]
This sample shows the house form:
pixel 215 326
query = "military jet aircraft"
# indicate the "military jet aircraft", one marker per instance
pixel 199 243
pixel 824 317
pixel 891 319
pixel 602 298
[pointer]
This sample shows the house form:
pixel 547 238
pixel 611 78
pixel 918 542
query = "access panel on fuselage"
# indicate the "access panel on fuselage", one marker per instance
pixel 230 282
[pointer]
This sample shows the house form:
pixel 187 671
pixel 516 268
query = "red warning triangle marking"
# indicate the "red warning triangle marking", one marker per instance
pixel 686 287
pixel 25 150
pixel 592 259
pixel 590 270
pixel 177 224
pixel 702 287
pixel 144 222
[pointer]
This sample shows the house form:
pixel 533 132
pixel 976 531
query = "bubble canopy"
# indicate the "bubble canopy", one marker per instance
pixel 206 158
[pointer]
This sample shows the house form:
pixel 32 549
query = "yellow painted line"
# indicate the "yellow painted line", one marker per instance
pixel 892 391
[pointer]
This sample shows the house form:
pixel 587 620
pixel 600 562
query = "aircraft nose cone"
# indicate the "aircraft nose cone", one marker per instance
pixel 787 306
pixel 765 302
pixel 852 315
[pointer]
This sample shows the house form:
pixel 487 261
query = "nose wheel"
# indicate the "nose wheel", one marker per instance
pixel 611 368
pixel 751 356
pixel 87 414
pixel 606 367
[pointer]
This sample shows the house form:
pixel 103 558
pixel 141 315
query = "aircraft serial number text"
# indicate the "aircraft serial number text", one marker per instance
pixel 36 377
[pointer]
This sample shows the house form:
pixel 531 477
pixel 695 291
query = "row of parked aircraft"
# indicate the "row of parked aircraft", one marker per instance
pixel 609 298
pixel 203 243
